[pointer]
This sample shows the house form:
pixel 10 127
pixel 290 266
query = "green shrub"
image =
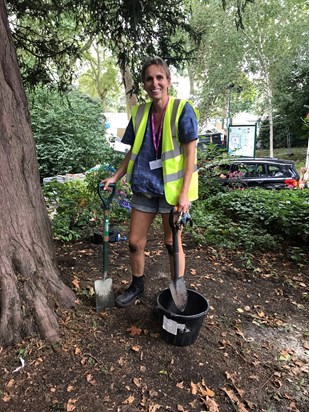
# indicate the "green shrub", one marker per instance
pixel 209 185
pixel 75 207
pixel 69 132
pixel 253 219
pixel 72 209
pixel 121 204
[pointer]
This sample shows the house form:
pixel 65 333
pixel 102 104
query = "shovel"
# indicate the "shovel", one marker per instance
pixel 104 287
pixel 177 285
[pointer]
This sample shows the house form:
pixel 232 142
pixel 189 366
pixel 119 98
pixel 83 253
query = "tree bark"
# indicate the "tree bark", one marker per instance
pixel 270 114
pixel 128 83
pixel 191 80
pixel 31 291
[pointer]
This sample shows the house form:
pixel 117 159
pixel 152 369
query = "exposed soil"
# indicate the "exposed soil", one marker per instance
pixel 251 353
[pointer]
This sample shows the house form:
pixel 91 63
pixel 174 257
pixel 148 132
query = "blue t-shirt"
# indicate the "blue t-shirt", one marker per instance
pixel 145 180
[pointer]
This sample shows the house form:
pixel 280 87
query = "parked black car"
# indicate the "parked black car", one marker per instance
pixel 267 173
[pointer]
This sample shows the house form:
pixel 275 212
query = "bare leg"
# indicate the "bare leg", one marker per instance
pixel 168 239
pixel 139 227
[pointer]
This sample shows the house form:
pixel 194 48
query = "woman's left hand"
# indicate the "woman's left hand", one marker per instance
pixel 184 204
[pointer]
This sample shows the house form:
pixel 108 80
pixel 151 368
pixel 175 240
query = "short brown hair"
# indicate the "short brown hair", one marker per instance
pixel 158 62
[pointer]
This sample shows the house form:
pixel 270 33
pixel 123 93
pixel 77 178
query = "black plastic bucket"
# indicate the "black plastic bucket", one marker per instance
pixel 181 328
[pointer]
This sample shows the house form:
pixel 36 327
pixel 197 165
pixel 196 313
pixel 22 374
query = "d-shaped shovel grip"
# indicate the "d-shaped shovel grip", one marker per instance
pixel 106 200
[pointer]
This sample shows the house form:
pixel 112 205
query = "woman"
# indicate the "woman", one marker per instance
pixel 161 167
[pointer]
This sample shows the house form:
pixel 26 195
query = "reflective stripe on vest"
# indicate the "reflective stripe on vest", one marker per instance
pixel 139 119
pixel 172 151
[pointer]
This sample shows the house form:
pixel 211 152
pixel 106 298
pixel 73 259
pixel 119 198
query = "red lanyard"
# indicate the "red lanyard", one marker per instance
pixel 157 140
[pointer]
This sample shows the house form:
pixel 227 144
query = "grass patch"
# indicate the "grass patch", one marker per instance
pixel 298 154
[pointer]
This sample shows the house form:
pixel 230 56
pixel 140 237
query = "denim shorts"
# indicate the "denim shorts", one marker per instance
pixel 145 203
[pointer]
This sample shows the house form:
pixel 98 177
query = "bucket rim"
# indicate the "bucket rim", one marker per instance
pixel 173 314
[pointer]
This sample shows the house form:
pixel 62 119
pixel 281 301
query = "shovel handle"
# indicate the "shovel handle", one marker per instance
pixel 173 219
pixel 174 228
pixel 106 206
pixel 106 200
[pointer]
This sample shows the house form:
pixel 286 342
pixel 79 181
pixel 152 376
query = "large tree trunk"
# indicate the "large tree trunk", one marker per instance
pixel 30 286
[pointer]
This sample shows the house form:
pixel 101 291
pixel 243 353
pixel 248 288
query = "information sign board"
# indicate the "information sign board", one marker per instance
pixel 241 140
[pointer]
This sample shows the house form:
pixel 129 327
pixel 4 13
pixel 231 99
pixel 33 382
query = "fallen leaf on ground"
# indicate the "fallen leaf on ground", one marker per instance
pixel 121 361
pixel 231 395
pixel 71 405
pixel 137 382
pixel 207 392
pixel 143 401
pixel 10 383
pixel 91 291
pixel 153 393
pixel 75 282
pixel 194 388
pixel 284 356
pixel 211 404
pixel 254 377
pixel 129 400
pixel 134 330
pixel 89 379
pixel 261 314
pixel 6 398
pixel 38 361
pixel 231 377
pixel 154 407
pixel 77 350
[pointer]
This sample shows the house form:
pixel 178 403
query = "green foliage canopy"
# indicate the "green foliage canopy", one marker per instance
pixel 218 67
pixel 101 79
pixel 49 36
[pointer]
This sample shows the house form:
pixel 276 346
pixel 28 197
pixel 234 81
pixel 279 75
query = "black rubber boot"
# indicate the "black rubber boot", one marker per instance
pixel 135 290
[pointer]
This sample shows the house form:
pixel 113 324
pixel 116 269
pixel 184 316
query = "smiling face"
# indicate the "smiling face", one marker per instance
pixel 156 83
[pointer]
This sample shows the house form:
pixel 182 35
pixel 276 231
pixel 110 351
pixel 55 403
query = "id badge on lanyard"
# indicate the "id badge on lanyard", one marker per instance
pixel 155 164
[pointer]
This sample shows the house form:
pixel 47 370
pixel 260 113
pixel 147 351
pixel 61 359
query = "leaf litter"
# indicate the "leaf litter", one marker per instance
pixel 251 353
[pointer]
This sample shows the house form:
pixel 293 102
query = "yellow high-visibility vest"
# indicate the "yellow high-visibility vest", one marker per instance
pixel 172 151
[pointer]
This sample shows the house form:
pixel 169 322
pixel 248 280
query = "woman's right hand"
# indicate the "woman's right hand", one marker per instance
pixel 108 181
pixel 119 173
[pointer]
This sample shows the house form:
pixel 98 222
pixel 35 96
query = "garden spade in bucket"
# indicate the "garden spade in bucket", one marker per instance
pixel 104 287
pixel 177 286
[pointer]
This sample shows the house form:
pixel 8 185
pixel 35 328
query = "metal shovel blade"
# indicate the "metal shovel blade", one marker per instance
pixel 104 294
pixel 177 286
pixel 179 293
